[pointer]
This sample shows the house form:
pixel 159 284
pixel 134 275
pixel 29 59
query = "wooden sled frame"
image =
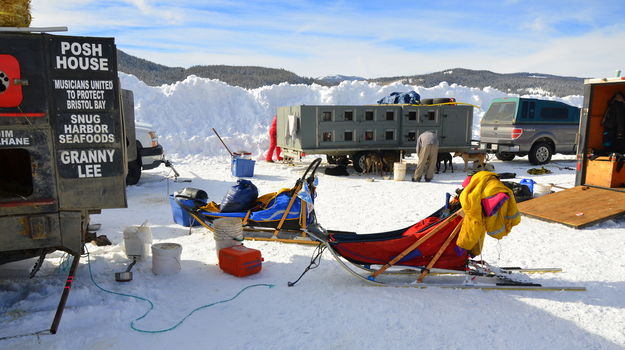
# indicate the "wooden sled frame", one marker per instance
pixel 295 236
pixel 482 276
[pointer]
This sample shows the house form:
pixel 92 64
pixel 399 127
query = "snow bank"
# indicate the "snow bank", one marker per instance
pixel 184 113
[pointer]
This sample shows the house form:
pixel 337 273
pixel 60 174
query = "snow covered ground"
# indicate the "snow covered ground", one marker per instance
pixel 328 308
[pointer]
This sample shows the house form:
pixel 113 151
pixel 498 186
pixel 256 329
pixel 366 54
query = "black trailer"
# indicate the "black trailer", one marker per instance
pixel 62 142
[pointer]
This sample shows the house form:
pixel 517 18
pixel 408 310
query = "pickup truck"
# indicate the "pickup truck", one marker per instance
pixel 516 126
pixel 144 151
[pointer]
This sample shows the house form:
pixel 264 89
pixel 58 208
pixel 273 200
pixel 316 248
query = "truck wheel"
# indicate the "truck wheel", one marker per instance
pixel 358 161
pixel 505 156
pixel 540 153
pixel 134 173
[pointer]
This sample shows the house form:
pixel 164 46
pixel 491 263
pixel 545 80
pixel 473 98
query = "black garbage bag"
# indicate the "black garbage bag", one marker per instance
pixel 241 197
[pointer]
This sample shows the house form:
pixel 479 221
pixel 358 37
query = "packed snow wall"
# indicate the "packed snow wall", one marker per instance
pixel 184 113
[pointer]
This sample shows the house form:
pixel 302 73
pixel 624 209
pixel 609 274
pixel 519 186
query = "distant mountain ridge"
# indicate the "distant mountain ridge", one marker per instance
pixel 251 77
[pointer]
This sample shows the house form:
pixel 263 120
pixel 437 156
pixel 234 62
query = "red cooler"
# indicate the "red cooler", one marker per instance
pixel 240 261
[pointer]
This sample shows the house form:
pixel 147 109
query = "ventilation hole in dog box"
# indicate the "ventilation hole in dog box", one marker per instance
pixel 16 179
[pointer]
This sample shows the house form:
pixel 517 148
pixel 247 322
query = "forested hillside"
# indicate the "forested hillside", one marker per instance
pixel 251 77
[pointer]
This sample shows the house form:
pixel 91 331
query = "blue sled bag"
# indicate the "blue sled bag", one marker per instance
pixel 241 197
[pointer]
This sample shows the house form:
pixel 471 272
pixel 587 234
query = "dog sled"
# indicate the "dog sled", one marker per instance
pixel 281 216
pixel 432 252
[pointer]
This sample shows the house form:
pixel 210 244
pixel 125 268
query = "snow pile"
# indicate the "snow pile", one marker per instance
pixel 184 113
pixel 314 313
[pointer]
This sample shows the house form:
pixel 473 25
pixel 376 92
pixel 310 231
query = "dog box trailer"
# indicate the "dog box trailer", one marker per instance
pixel 599 192
pixel 62 143
pixel 354 131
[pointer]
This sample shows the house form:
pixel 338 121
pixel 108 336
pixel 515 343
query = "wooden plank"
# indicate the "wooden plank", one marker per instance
pixel 576 207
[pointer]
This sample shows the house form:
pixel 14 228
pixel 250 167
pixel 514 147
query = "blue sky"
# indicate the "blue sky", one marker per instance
pixel 365 38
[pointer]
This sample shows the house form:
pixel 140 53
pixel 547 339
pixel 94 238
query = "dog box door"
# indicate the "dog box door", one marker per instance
pixel 10 82
pixel 456 123
pixel 88 131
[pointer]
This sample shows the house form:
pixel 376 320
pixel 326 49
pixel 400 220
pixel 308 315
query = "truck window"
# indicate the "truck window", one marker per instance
pixel 500 112
pixel 390 115
pixel 327 136
pixel 348 136
pixel 554 113
pixel 326 116
pixel 412 136
pixel 369 135
pixel 368 115
pixel 431 115
pixel 348 116
pixel 389 135
pixel 412 115
pixel 16 179
pixel 527 110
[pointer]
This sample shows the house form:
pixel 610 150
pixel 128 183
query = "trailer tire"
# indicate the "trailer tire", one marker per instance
pixel 540 153
pixel 337 159
pixel 358 161
pixel 505 156
pixel 443 100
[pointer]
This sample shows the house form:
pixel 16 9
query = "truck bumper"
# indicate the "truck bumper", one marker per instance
pixel 495 147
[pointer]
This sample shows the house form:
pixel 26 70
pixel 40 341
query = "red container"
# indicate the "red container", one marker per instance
pixel 240 261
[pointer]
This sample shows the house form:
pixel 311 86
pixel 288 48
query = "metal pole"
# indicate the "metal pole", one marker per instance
pixel 66 289
pixel 222 142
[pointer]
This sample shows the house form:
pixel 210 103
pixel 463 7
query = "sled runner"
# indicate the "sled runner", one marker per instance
pixel 281 216
pixel 432 247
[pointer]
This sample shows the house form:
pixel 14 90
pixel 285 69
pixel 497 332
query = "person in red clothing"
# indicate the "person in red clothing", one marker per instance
pixel 273 142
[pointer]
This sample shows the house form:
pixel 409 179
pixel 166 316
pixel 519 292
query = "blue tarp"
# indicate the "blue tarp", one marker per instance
pixel 410 97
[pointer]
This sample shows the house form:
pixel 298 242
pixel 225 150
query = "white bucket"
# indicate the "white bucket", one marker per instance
pixel 228 232
pixel 541 190
pixel 137 240
pixel 399 171
pixel 166 258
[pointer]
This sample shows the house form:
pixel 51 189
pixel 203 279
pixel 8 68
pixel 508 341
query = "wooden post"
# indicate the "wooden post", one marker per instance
pixel 440 252
pixel 416 244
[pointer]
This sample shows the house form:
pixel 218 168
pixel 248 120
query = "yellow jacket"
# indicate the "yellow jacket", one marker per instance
pixel 475 225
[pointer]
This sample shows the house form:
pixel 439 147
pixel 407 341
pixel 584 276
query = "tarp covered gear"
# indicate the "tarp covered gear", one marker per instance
pixel 240 197
pixel 289 209
pixel 410 97
pixel 486 185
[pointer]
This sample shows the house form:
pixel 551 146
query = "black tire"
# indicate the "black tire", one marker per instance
pixel 358 161
pixel 443 100
pixel 337 159
pixel 505 156
pixel 427 101
pixel 134 173
pixel 540 153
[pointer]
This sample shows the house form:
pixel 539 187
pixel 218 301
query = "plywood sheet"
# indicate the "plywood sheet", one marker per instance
pixel 577 207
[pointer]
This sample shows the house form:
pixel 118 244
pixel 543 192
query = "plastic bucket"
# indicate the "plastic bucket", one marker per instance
pixel 399 171
pixel 137 240
pixel 228 232
pixel 166 258
pixel 541 190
